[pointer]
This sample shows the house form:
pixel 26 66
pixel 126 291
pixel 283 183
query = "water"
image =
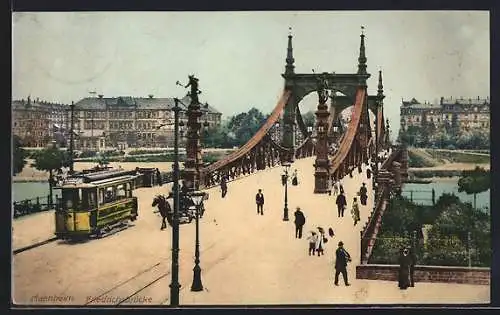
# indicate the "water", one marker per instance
pixel 29 190
pixel 444 186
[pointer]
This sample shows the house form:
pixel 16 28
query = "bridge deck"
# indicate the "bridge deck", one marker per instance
pixel 246 258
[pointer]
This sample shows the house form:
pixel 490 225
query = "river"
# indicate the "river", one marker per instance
pixel 422 194
pixel 29 190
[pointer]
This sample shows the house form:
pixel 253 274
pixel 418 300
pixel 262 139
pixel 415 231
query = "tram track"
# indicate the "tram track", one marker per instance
pixel 35 245
pixel 139 284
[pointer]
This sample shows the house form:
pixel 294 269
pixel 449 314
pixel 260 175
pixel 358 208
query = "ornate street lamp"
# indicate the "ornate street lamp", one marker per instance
pixel 286 165
pixel 197 197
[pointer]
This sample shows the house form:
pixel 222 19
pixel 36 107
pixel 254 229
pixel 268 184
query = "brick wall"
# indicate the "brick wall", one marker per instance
pixel 474 275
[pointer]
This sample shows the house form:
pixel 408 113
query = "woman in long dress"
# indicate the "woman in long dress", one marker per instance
pixel 404 269
pixel 355 211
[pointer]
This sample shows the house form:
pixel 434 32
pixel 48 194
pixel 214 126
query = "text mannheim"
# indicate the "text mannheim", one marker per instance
pixel 101 122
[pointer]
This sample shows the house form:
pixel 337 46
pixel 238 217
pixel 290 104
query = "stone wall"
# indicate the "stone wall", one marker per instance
pixel 474 275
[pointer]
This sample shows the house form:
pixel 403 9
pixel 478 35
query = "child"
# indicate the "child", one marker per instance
pixel 313 238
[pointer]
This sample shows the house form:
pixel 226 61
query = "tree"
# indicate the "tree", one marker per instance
pixel 245 125
pixel 18 156
pixel 309 118
pixel 474 182
pixel 49 160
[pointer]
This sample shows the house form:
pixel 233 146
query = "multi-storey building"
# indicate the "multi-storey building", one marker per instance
pixel 125 121
pixel 38 122
pixel 101 122
pixel 466 114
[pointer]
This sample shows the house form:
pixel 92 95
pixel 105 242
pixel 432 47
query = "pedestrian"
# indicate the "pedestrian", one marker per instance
pixel 158 177
pixel 259 200
pixel 223 186
pixel 404 269
pixel 363 194
pixel 360 170
pixel 355 211
pixel 341 204
pixel 341 188
pixel 313 239
pixel 320 241
pixel 300 220
pixel 342 257
pixel 368 173
pixel 336 188
pixel 295 180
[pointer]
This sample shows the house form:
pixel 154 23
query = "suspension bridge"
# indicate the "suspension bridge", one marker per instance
pixel 247 258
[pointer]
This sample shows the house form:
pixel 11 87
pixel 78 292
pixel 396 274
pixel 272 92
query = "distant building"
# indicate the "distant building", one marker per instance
pixel 37 122
pixel 99 122
pixel 466 114
pixel 125 121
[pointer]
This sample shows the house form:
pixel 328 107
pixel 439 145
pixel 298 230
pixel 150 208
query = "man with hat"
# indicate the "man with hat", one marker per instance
pixel 341 259
pixel 300 220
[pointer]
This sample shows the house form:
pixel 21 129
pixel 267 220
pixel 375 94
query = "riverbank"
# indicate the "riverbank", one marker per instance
pixel 30 174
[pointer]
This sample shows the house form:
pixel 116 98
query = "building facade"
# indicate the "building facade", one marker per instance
pixel 467 114
pixel 101 123
pixel 122 122
pixel 37 122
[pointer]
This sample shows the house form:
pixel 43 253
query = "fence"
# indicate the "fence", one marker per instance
pixel 411 194
pixel 30 206
pixel 432 250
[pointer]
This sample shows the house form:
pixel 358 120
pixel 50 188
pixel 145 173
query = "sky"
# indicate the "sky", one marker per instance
pixel 239 56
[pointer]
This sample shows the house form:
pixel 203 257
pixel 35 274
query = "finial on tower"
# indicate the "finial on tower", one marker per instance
pixel 380 91
pixel 362 56
pixel 289 68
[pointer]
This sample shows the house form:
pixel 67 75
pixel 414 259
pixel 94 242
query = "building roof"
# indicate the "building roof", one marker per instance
pixel 464 101
pixel 124 102
pixel 37 104
pixel 414 104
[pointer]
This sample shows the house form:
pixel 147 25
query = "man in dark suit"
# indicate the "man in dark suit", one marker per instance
pixel 341 259
pixel 259 200
pixel 341 204
pixel 300 220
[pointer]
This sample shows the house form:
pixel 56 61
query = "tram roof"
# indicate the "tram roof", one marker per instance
pixel 102 182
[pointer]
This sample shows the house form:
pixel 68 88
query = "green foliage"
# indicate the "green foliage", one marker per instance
pixel 474 182
pixel 50 159
pixel 416 160
pixel 459 157
pixel 309 118
pixel 87 154
pixel 449 137
pixel 245 125
pixel 448 239
pixel 18 157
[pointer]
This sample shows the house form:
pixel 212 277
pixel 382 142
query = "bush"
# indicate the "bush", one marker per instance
pixel 87 154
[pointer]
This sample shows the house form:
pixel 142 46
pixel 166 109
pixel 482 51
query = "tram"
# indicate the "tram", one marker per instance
pixel 94 204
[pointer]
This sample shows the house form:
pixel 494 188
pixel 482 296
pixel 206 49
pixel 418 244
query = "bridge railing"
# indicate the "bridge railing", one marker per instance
pixel 33 205
pixel 369 233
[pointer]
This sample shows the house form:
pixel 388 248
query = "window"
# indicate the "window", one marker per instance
pixel 120 192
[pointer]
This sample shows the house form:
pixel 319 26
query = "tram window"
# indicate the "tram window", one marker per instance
pixel 109 196
pixel 89 199
pixel 101 196
pixel 120 192
pixel 71 198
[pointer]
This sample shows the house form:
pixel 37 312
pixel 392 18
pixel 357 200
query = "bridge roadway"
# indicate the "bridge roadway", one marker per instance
pixel 246 258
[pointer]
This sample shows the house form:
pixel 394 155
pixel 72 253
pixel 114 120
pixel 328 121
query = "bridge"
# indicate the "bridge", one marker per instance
pixel 248 258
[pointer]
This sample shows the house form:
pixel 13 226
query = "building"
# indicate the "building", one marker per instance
pixel 122 122
pixel 37 122
pixel 466 114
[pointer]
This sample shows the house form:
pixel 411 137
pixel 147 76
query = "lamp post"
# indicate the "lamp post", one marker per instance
pixel 175 285
pixel 197 285
pixel 286 165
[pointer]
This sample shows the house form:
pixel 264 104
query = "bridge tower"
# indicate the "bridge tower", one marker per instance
pixel 288 140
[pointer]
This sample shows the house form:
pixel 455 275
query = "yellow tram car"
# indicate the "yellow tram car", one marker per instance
pixel 94 204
